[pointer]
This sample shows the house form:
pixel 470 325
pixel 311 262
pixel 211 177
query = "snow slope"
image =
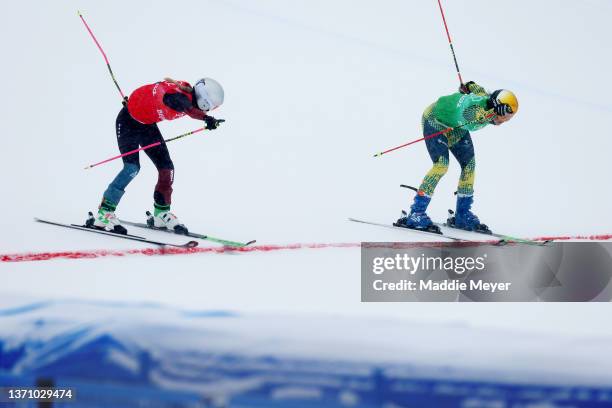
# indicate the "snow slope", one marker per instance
pixel 313 89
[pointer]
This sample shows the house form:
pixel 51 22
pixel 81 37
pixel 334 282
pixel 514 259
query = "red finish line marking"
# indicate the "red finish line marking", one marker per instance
pixel 103 253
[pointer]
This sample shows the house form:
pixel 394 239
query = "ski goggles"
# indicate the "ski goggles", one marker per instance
pixel 203 99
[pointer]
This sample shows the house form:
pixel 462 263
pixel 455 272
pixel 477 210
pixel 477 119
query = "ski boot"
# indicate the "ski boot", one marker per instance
pixel 106 219
pixel 162 218
pixel 464 218
pixel 418 218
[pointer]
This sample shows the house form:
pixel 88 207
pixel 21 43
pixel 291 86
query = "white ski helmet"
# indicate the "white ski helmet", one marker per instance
pixel 209 94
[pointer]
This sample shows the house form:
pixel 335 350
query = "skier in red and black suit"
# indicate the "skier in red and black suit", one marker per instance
pixel 137 126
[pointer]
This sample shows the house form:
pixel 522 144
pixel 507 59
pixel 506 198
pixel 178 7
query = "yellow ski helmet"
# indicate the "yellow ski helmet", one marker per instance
pixel 504 96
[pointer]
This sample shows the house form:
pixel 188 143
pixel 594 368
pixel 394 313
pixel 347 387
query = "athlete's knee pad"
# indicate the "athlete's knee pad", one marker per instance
pixel 116 188
pixel 163 188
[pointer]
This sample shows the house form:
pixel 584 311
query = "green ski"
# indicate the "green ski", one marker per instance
pixel 224 242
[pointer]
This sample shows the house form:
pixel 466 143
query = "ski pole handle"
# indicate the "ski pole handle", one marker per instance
pixel 144 148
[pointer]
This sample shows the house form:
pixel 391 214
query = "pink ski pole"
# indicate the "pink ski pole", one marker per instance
pixel 450 42
pixel 103 54
pixel 488 116
pixel 144 148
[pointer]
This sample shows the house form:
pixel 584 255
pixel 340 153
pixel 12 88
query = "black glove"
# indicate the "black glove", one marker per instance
pixel 212 123
pixel 500 109
pixel 465 88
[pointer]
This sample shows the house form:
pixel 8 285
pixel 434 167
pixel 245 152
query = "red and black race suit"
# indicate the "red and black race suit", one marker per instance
pixel 162 101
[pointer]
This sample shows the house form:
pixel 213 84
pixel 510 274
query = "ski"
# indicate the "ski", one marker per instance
pixel 435 234
pixel 502 237
pixel 223 242
pixel 506 238
pixel 190 244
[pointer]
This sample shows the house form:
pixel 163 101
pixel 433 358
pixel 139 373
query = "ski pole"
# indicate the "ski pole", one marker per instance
pixel 144 148
pixel 104 55
pixel 448 129
pixel 450 42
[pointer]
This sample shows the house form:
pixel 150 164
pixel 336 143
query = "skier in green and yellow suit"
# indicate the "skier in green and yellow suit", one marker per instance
pixel 468 110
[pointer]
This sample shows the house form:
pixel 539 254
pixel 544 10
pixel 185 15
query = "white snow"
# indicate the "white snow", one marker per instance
pixel 313 89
